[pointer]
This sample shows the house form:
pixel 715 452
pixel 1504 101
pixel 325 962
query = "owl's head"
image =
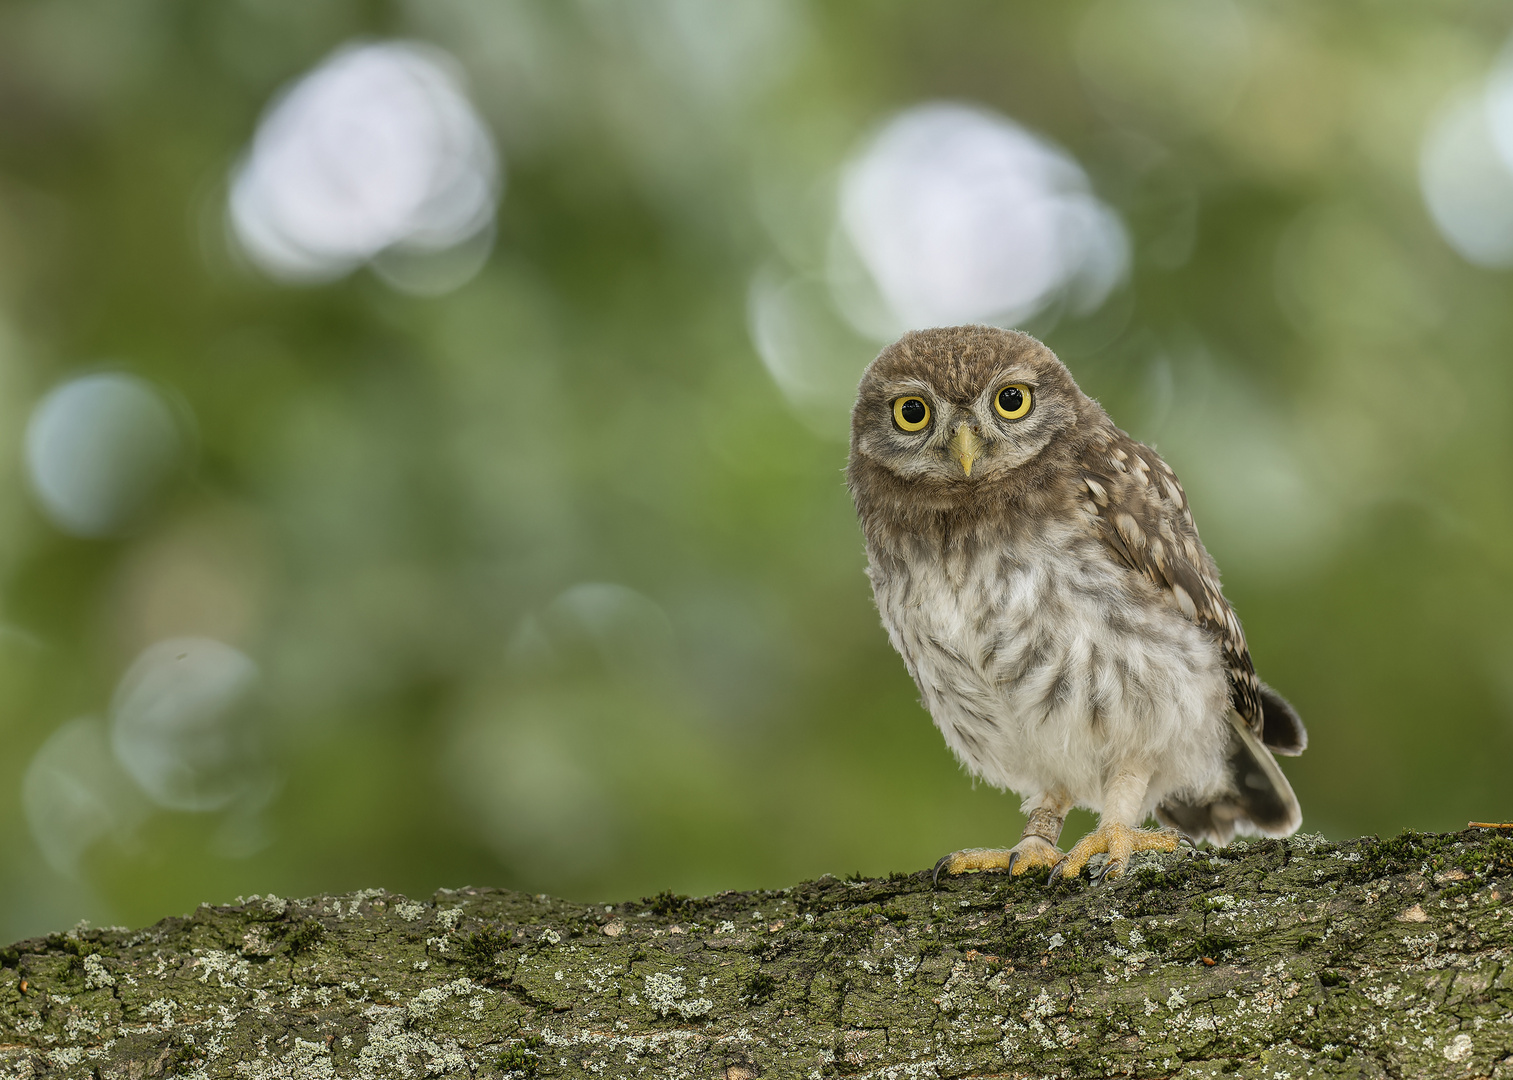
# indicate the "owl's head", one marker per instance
pixel 951 411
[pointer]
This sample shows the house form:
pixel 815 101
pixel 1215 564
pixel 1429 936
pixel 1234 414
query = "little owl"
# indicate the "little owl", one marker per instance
pixel 1040 573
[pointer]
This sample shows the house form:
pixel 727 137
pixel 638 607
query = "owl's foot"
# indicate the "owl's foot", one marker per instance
pixel 1116 841
pixel 1029 854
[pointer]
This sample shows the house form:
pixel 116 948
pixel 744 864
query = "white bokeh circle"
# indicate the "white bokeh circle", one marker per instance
pixel 184 726
pixel 378 148
pixel 98 449
pixel 958 214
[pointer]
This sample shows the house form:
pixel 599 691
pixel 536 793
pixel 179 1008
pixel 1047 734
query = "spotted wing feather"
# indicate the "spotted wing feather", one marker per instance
pixel 1141 513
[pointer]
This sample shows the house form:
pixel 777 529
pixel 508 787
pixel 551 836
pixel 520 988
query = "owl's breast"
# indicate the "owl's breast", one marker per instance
pixel 1038 657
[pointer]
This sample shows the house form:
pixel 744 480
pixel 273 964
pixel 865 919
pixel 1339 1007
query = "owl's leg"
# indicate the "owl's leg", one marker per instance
pixel 1036 847
pixel 1117 835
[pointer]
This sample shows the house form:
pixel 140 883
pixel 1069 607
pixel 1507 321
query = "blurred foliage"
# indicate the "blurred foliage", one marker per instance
pixel 548 584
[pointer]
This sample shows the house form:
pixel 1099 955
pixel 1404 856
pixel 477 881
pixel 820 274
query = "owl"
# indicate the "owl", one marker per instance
pixel 1040 574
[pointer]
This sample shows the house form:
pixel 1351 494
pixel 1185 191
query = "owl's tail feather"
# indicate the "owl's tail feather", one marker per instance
pixel 1281 728
pixel 1261 802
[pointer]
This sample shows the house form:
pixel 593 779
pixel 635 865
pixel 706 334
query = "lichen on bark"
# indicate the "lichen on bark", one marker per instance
pixel 1281 958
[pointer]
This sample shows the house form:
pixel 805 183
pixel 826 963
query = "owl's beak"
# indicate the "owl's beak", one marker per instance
pixel 965 446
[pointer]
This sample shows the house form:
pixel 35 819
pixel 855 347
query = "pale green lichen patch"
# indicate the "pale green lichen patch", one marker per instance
pixel 1374 958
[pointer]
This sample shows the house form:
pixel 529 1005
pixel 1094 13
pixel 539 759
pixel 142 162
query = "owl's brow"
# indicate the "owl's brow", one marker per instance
pixel 894 387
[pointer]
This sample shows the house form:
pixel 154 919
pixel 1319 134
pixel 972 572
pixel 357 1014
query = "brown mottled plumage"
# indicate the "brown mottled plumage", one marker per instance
pixel 1040 573
pixel 1144 518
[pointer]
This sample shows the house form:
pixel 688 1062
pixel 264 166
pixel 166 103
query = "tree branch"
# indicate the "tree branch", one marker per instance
pixel 1367 958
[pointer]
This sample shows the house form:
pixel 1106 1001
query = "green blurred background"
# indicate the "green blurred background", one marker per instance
pixel 444 487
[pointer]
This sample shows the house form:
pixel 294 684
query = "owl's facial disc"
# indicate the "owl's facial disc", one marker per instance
pixel 957 413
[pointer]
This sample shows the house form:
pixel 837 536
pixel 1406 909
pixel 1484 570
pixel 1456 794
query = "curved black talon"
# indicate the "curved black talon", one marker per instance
pixel 1057 872
pixel 1013 858
pixel 935 877
pixel 1110 865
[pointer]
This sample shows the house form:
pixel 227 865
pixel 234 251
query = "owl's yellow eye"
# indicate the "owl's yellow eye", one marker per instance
pixel 911 413
pixel 1013 401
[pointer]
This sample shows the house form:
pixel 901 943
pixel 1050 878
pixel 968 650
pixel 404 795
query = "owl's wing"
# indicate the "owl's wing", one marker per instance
pixel 1143 517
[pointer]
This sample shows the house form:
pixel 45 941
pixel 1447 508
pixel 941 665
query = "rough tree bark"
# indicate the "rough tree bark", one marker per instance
pixel 1300 958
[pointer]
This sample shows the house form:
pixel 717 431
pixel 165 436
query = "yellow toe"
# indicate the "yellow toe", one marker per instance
pixel 969 859
pixel 1116 841
pixel 1031 853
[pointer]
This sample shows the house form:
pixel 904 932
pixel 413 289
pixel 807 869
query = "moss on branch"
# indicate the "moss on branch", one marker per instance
pixel 1301 958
